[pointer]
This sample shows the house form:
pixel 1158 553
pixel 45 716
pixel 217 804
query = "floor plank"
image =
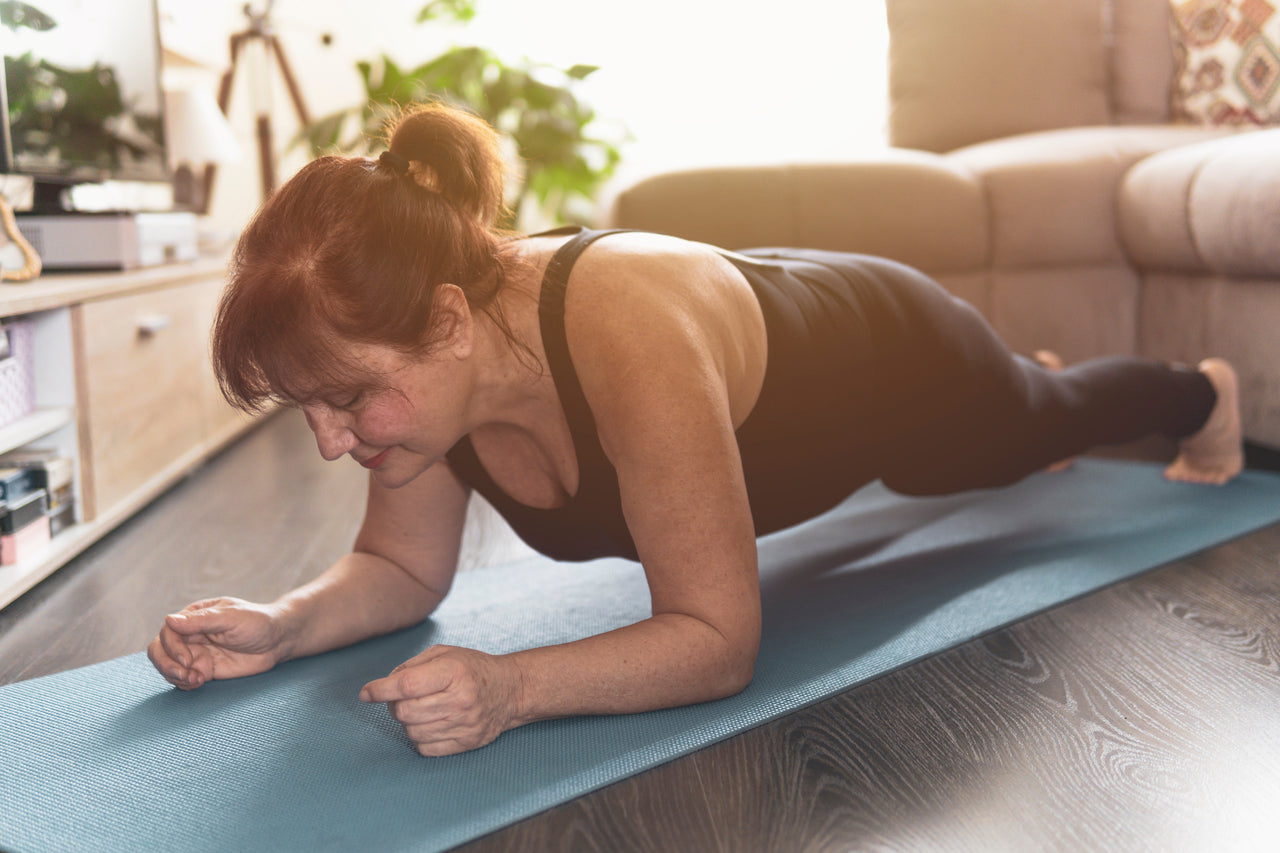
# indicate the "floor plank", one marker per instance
pixel 1143 717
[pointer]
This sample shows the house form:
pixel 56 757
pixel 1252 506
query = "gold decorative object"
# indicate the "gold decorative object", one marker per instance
pixel 31 265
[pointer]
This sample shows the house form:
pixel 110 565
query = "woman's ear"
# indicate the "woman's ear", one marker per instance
pixel 451 322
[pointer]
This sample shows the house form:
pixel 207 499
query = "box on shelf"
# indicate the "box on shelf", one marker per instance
pixel 16 515
pixel 49 470
pixel 61 517
pixel 17 483
pixel 17 370
pixel 26 542
pixel 24 524
pixel 53 469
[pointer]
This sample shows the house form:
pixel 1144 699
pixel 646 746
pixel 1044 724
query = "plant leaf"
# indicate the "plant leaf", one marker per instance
pixel 563 163
pixel 457 10
pixel 15 14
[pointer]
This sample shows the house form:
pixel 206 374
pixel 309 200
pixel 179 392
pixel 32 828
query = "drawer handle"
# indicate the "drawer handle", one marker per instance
pixel 151 325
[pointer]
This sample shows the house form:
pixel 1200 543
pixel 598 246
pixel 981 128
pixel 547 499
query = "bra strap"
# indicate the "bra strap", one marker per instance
pixel 551 321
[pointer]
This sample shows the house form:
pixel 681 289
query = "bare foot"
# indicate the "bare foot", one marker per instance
pixel 1215 454
pixel 1050 360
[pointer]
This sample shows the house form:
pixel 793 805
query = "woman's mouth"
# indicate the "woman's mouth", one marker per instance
pixel 374 461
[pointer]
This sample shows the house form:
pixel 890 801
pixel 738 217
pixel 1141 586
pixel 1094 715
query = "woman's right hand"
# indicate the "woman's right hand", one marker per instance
pixel 218 638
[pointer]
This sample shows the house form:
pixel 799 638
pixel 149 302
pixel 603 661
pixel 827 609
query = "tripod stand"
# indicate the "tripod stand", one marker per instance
pixel 259 31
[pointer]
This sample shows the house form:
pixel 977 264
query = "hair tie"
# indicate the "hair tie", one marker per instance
pixel 394 162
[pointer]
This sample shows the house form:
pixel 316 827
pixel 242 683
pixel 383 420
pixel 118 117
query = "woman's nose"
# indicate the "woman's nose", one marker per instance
pixel 332 438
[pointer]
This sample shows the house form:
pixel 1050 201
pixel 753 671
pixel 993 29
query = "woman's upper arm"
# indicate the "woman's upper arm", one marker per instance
pixel 656 382
pixel 418 526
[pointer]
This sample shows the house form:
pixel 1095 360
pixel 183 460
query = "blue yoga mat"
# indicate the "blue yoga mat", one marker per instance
pixel 109 757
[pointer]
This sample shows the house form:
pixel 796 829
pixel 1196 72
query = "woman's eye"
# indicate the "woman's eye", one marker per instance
pixel 351 402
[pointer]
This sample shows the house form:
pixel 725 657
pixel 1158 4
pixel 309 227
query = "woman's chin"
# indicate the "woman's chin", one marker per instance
pixel 394 476
pixel 388 479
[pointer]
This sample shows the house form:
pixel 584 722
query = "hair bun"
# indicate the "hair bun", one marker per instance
pixel 456 154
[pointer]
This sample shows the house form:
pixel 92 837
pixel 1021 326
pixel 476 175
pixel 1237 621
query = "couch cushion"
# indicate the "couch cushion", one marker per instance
pixel 1078 311
pixel 1052 195
pixel 1185 318
pixel 732 207
pixel 1209 207
pixel 1141 61
pixel 963 71
pixel 1228 54
pixel 911 206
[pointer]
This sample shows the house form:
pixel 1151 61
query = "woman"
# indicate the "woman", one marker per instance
pixel 611 394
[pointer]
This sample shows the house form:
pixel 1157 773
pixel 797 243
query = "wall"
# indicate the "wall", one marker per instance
pixel 694 82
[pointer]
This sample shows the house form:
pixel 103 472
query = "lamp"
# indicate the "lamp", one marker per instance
pixel 197 135
pixel 262 43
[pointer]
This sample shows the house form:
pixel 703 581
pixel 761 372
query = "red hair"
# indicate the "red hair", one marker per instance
pixel 352 249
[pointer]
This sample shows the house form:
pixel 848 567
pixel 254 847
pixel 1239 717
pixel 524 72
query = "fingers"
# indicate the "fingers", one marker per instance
pixel 444 746
pixel 177 671
pixel 174 645
pixel 447 699
pixel 177 652
pixel 211 621
pixel 411 683
pixel 176 656
pixel 419 676
pixel 427 709
pixel 445 737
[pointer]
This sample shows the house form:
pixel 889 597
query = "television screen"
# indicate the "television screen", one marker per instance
pixel 82 90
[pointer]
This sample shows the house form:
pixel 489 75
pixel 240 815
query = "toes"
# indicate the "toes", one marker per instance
pixel 1181 472
pixel 1048 359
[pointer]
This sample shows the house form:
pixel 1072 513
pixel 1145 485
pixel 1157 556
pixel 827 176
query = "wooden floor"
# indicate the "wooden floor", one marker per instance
pixel 1143 717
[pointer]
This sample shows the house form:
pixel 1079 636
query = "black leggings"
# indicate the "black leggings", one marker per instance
pixel 1001 416
pixel 931 399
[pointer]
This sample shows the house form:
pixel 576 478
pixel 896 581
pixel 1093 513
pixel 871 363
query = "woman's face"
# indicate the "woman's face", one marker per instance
pixel 397 427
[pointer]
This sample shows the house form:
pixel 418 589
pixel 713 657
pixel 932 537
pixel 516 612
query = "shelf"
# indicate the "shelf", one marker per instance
pixel 35 426
pixel 85 340
pixel 57 290
pixel 21 576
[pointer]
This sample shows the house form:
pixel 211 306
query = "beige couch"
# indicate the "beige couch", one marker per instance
pixel 1036 172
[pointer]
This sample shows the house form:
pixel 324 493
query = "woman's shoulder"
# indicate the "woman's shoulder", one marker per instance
pixel 668 304
pixel 635 269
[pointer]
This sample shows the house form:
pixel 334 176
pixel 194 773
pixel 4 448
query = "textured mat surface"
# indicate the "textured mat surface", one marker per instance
pixel 109 757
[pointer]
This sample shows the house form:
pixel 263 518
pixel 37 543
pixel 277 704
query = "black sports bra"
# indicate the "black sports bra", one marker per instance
pixel 794 447
pixel 590 523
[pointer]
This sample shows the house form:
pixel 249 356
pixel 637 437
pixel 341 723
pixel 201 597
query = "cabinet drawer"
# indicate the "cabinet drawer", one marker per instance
pixel 221 419
pixel 141 389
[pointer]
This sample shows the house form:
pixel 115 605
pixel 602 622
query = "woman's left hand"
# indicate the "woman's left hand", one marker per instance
pixel 450 699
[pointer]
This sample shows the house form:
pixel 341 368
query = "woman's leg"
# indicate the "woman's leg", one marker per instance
pixel 996 417
pixel 1050 360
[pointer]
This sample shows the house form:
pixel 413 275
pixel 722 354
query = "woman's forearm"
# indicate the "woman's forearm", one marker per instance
pixel 360 596
pixel 668 660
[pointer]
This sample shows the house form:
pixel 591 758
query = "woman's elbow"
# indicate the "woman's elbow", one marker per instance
pixel 736 669
pixel 740 678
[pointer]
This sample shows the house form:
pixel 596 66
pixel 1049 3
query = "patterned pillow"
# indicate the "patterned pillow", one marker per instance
pixel 1228 62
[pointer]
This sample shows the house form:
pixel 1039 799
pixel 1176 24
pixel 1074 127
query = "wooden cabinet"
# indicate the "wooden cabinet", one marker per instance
pixel 140 390
pixel 124 385
pixel 221 420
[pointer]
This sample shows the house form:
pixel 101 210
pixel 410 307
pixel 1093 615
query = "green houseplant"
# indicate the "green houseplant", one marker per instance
pixel 562 164
pixel 81 112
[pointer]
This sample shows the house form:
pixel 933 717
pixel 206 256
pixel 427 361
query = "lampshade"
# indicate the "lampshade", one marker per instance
pixel 198 133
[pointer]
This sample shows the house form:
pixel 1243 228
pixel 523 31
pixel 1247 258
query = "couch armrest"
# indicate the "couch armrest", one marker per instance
pixel 912 206
pixel 1212 207
pixel 1052 194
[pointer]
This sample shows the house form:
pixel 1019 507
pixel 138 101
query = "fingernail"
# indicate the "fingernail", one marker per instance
pixel 364 695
